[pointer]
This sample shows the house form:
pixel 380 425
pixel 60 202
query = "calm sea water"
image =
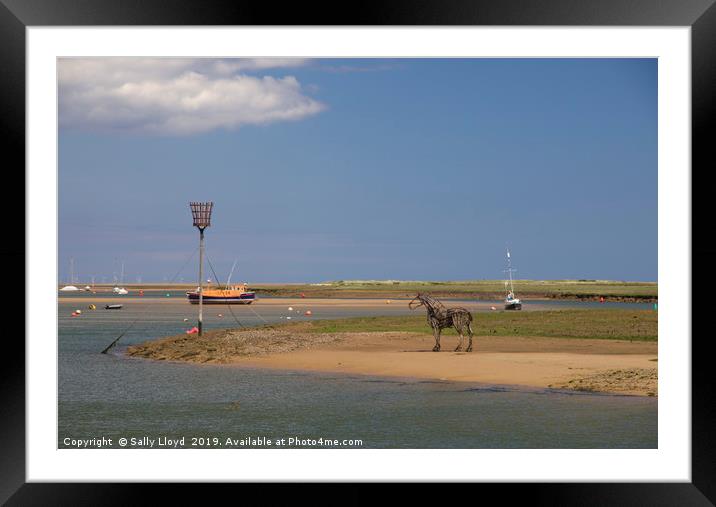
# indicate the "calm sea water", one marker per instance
pixel 113 396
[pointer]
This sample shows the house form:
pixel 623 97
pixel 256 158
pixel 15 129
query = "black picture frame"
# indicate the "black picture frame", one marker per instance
pixel 700 15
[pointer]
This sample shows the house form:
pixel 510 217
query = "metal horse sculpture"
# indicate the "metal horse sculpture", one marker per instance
pixel 440 317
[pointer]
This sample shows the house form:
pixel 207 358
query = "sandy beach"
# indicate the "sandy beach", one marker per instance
pixel 612 366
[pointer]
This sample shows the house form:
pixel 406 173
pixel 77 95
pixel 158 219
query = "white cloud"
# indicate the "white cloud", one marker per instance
pixel 177 96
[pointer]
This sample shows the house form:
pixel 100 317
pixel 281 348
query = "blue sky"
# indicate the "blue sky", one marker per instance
pixel 360 169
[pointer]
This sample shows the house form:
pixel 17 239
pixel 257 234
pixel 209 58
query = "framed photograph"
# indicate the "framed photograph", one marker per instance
pixel 447 244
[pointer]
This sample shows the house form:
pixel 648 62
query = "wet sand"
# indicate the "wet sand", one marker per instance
pixel 610 366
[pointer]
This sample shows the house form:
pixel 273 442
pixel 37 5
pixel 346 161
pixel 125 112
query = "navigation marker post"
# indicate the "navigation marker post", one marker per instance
pixel 201 213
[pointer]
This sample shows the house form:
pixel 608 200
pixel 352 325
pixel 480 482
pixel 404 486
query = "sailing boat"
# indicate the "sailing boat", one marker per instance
pixel 511 302
pixel 121 290
pixel 70 287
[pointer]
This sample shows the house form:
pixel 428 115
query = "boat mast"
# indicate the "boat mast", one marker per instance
pixel 231 273
pixel 509 271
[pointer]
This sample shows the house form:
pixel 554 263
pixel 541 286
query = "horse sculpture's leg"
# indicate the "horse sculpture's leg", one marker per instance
pixel 436 333
pixel 458 328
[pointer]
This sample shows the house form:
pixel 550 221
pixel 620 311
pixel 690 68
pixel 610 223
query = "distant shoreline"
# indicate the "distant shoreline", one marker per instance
pixel 574 290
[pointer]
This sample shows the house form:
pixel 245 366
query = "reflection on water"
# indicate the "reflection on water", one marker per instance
pixel 114 396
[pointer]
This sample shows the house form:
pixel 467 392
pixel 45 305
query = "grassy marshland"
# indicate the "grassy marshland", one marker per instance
pixel 616 324
pixel 473 289
pixel 479 289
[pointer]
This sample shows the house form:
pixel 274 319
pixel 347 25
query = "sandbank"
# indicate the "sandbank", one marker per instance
pixel 610 366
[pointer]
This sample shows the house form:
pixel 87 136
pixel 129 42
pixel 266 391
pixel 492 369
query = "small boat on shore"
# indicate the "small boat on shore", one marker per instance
pixel 69 287
pixel 119 289
pixel 511 302
pixel 238 294
pixel 231 294
pixel 112 307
